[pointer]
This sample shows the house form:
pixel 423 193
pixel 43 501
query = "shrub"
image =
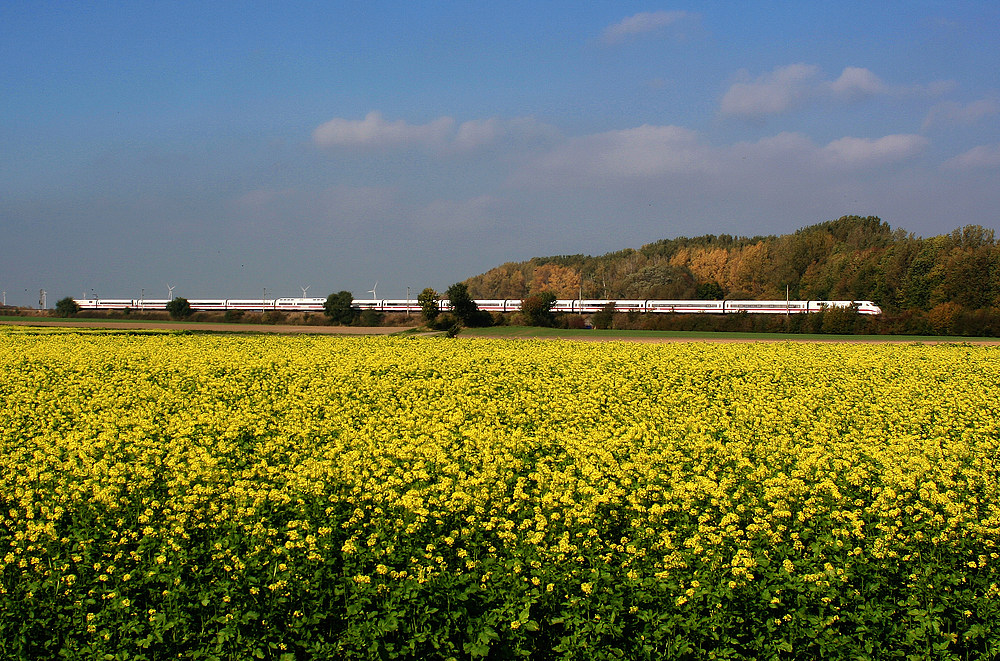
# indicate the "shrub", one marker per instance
pixel 273 317
pixel 179 308
pixel 370 318
pixel 605 317
pixel 537 308
pixel 340 308
pixel 66 307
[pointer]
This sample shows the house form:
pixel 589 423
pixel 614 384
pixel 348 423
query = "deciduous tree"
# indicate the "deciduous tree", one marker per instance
pixel 179 308
pixel 340 308
pixel 429 307
pixel 537 308
pixel 66 307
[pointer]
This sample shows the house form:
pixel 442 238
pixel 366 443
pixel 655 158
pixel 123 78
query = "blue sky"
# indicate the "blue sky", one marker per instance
pixel 225 148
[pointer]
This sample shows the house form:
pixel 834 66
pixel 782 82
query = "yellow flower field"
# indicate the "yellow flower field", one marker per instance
pixel 195 496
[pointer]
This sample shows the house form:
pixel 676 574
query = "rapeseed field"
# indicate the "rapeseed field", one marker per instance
pixel 239 497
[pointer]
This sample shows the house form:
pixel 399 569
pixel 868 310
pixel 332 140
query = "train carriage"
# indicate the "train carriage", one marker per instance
pixel 579 306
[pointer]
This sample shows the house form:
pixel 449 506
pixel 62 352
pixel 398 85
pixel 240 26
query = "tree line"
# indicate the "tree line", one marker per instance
pixel 937 279
pixel 946 284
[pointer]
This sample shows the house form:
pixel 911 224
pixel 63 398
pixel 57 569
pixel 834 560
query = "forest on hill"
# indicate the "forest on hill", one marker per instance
pixel 937 283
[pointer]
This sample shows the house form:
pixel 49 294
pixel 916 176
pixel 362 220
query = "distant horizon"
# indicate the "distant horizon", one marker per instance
pixel 415 291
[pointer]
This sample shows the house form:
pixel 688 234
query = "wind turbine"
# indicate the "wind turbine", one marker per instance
pixel 372 290
pixel 304 290
pixel 170 291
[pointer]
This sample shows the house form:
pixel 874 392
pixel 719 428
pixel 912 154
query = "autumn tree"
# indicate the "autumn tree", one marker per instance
pixel 504 282
pixel 537 308
pixel 562 281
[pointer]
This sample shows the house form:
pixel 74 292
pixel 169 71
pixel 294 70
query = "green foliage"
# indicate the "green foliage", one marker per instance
pixel 851 258
pixel 66 307
pixel 461 302
pixel 537 308
pixel 428 300
pixel 710 291
pixel 605 317
pixel 274 317
pixel 339 308
pixel 307 499
pixel 179 308
pixel 465 308
pixel 371 318
pixel 446 322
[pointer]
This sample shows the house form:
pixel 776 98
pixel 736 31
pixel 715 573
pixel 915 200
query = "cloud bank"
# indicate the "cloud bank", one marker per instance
pixel 661 152
pixel 790 87
pixel 981 157
pixel 443 133
pixel 951 113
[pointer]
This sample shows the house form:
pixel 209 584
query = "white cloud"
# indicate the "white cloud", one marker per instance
pixel 640 23
pixel 375 131
pixel 957 114
pixel 863 152
pixel 440 134
pixel 792 86
pixel 771 93
pixel 855 82
pixel 983 156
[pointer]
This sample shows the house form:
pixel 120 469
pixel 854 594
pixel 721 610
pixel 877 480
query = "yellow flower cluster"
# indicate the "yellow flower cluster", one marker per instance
pixel 572 465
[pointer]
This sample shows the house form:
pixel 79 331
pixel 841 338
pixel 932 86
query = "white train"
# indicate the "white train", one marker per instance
pixel 493 305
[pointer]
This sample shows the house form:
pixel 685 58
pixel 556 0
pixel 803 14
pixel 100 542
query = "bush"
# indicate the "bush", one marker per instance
pixel 465 308
pixel 605 317
pixel 446 322
pixel 66 307
pixel 428 300
pixel 371 318
pixel 340 308
pixel 537 308
pixel 573 321
pixel 179 308
pixel 273 317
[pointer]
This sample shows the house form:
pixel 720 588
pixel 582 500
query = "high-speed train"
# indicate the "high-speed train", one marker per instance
pixel 492 305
